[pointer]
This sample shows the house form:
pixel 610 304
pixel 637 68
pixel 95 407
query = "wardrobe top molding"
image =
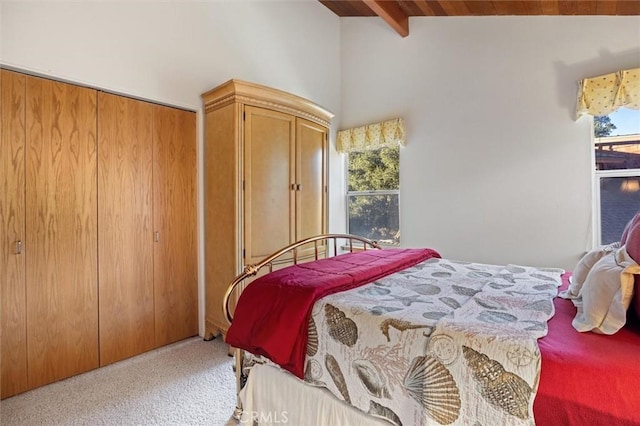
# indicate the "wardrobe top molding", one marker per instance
pixel 267 97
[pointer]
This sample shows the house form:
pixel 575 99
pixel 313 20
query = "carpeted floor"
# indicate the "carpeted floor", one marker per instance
pixel 188 383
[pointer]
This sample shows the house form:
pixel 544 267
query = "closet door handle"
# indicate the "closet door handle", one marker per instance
pixel 293 186
pixel 19 247
pixel 298 187
pixel 156 236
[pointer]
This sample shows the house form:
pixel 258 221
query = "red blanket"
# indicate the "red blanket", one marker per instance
pixel 587 378
pixel 272 315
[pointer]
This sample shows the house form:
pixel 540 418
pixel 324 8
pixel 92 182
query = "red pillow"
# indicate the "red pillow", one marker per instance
pixel 635 302
pixel 631 239
pixel 625 233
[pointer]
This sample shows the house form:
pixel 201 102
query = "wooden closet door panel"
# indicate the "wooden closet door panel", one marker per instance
pixel 13 324
pixel 125 234
pixel 269 170
pixel 311 142
pixel 174 210
pixel 61 244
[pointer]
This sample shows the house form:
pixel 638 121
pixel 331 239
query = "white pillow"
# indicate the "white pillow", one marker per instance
pixel 583 267
pixel 606 294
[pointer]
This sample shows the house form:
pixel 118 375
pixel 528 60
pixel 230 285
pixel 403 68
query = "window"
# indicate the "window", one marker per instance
pixel 617 172
pixel 373 192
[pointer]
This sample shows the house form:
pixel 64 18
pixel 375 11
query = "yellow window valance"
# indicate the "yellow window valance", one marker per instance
pixel 604 94
pixel 372 136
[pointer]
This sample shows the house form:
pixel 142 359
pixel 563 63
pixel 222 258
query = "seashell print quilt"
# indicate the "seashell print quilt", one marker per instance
pixel 440 343
pixel 272 315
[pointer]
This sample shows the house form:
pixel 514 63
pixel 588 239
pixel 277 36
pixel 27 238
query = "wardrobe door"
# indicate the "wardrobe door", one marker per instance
pixel 12 220
pixel 269 174
pixel 125 233
pixel 311 166
pixel 174 212
pixel 61 223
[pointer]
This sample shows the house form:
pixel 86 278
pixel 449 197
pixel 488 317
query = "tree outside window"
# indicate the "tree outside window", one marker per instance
pixel 373 193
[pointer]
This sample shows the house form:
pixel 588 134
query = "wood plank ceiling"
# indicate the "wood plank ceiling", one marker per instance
pixel 396 13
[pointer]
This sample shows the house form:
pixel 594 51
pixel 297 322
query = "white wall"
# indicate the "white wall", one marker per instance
pixel 171 52
pixel 495 169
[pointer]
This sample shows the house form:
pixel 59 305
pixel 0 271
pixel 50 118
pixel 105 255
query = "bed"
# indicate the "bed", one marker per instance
pixel 359 335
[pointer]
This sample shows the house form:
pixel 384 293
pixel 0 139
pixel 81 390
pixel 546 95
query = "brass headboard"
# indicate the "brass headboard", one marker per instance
pixel 281 256
pixel 287 256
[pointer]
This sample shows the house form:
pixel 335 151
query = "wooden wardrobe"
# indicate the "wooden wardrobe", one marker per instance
pixel 265 181
pixel 98 246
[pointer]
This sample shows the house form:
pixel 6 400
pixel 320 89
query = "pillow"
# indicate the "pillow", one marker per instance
pixel 635 302
pixel 632 238
pixel 625 233
pixel 632 244
pixel 583 267
pixel 606 294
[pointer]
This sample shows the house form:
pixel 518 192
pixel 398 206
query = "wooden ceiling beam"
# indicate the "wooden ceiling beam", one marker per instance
pixel 425 7
pixel 392 14
pixel 454 7
pixel 549 7
pixel 628 8
pixel 396 12
pixel 606 8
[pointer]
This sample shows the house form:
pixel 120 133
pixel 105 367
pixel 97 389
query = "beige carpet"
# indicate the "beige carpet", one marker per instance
pixel 188 383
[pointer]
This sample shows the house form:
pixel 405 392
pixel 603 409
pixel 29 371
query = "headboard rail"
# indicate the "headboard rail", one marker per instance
pixel 289 255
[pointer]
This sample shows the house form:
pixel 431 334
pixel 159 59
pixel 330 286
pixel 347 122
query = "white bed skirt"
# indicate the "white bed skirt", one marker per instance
pixel 275 397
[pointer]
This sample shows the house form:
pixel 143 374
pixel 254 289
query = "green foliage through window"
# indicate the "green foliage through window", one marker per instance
pixel 602 126
pixel 375 170
pixel 373 194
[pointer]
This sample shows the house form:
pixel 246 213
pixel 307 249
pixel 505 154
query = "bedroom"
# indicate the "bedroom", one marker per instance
pixel 500 90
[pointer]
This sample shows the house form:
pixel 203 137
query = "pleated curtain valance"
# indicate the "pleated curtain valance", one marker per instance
pixel 372 136
pixel 604 94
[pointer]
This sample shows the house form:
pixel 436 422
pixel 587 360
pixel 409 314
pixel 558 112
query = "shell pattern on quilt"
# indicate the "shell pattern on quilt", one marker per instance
pixel 340 327
pixel 443 342
pixel 430 383
pixel 500 388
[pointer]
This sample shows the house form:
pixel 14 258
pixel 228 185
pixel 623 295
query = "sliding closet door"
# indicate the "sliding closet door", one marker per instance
pixel 12 259
pixel 174 201
pixel 125 234
pixel 61 223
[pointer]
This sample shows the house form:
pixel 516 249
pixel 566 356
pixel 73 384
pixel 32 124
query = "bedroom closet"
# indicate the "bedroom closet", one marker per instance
pixel 265 181
pixel 95 200
pixel 146 233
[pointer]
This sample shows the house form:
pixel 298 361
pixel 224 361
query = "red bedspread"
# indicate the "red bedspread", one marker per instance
pixel 587 378
pixel 283 300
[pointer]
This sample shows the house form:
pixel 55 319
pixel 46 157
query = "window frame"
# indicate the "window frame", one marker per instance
pixel 597 175
pixel 597 208
pixel 349 194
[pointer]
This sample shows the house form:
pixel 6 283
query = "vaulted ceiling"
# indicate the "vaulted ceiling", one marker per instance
pixel 396 13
